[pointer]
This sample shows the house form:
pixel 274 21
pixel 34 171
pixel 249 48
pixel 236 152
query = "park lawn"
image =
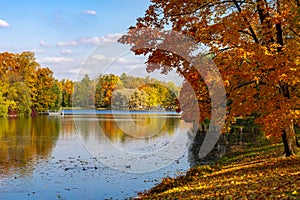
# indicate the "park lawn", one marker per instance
pixel 255 173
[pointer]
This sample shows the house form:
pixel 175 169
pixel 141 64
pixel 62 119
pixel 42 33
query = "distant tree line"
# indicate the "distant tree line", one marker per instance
pixel 110 91
pixel 27 89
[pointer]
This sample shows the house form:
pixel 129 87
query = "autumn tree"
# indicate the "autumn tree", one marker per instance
pixel 254 44
pixel 153 100
pixel 160 95
pixel 138 99
pixel 105 86
pixel 47 94
pixel 26 66
pixel 18 75
pixel 67 92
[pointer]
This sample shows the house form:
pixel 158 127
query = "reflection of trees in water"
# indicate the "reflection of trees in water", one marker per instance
pixel 242 133
pixel 122 128
pixel 196 137
pixel 23 140
pixel 86 126
pixel 68 127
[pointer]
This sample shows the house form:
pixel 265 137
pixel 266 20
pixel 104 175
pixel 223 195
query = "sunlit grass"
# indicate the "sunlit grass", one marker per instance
pixel 258 172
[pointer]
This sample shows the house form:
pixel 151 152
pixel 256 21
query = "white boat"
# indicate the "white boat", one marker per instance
pixel 54 113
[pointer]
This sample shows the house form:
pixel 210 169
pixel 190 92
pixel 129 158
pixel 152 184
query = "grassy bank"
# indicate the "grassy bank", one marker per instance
pixel 252 173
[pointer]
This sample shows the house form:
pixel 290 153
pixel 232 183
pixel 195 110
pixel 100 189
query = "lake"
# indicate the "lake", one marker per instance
pixel 96 156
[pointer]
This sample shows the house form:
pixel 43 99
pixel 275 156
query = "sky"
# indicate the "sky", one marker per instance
pixel 74 37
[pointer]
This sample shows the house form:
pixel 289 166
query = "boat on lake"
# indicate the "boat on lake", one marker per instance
pixel 54 113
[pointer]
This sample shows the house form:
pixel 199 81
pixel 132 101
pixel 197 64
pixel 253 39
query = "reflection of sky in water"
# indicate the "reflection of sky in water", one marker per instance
pixel 68 170
pixel 140 152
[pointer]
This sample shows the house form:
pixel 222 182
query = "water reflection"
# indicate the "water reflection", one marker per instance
pixel 120 127
pixel 52 153
pixel 126 127
pixel 23 140
pixel 134 143
pixel 196 138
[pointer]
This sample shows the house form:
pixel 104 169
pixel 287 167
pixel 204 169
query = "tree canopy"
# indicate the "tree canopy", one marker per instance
pixel 253 43
pixel 25 85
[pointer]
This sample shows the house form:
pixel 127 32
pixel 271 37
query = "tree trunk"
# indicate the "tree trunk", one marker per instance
pixel 290 141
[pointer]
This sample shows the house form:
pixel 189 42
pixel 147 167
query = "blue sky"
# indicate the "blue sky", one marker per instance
pixel 73 37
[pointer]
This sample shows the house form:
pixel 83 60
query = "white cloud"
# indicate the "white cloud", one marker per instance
pixel 90 12
pixel 123 60
pixel 113 37
pixel 109 38
pixel 99 57
pixel 67 43
pixel 54 59
pixel 4 23
pixel 43 44
pixel 91 40
pixel 79 71
pixel 67 51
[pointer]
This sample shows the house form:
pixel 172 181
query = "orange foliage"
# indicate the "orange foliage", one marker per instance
pixel 254 44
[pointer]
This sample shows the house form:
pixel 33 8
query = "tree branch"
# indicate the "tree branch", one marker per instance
pixel 297 34
pixel 279 32
pixel 250 27
pixel 244 84
pixel 209 4
pixel 221 50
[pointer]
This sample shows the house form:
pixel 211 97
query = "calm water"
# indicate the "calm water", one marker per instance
pixel 106 156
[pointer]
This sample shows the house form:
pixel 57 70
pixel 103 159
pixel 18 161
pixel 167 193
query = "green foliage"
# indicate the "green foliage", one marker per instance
pixel 56 91
pixel 84 93
pixel 121 98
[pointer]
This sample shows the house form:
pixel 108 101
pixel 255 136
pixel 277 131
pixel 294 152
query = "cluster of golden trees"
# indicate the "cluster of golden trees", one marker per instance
pixel 25 87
